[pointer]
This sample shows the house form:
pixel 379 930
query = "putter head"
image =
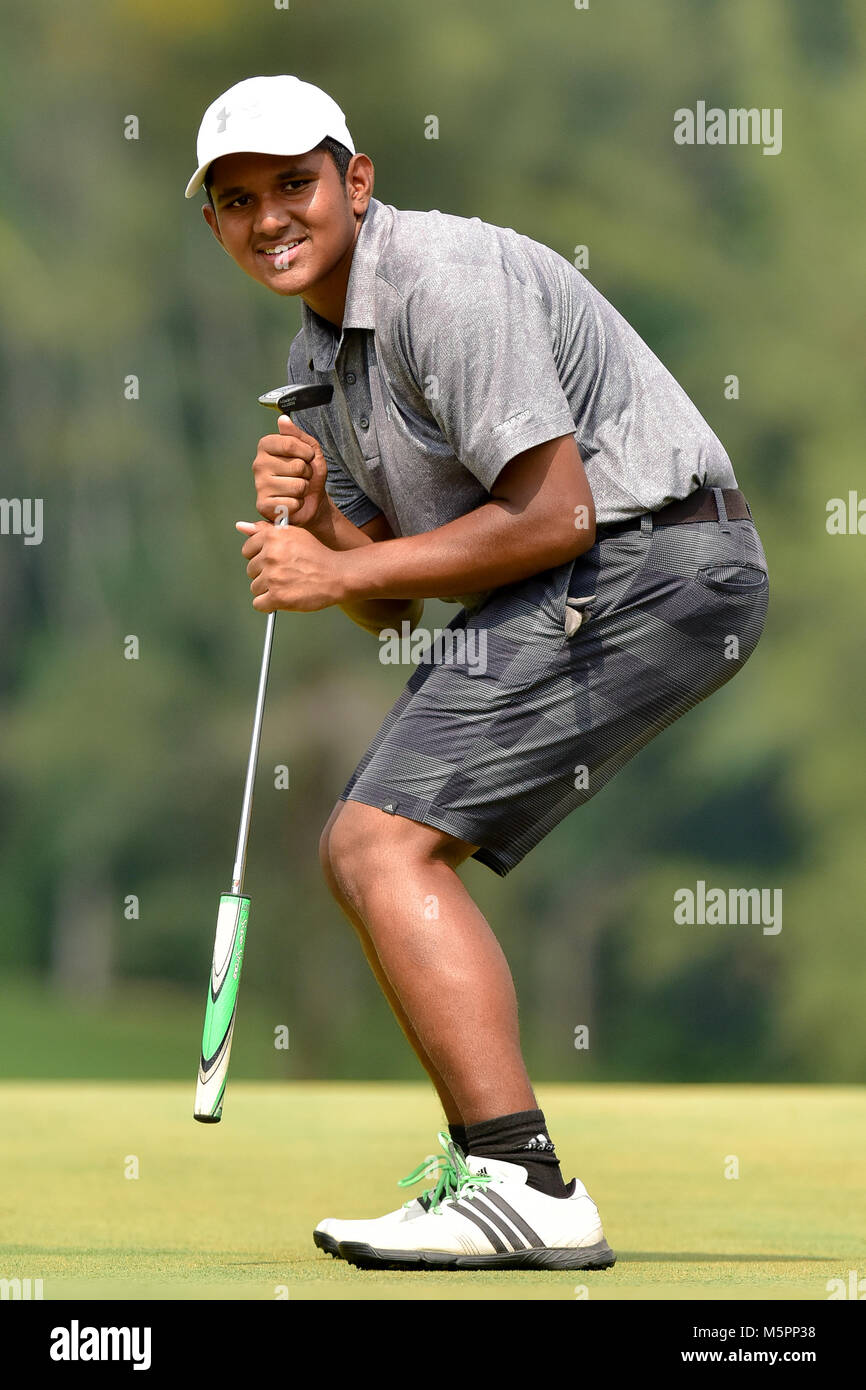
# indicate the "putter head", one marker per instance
pixel 285 399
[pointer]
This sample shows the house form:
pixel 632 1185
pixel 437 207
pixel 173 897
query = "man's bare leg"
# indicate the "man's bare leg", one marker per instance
pixel 435 956
pixel 449 1105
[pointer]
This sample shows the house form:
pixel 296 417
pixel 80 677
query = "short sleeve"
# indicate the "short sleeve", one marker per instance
pixel 345 493
pixel 479 345
pixel 340 486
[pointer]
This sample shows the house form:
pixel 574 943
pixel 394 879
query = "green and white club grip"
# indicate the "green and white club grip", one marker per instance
pixel 219 1019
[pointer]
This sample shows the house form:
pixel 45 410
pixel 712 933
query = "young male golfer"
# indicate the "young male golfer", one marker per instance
pixel 500 435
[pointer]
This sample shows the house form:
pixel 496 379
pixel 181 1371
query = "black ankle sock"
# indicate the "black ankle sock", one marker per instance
pixel 521 1138
pixel 458 1134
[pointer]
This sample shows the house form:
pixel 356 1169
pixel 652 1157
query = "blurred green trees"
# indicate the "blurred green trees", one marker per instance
pixel 122 778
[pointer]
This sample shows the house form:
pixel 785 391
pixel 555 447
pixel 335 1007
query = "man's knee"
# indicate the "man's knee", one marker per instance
pixel 325 848
pixel 362 844
pixel 353 846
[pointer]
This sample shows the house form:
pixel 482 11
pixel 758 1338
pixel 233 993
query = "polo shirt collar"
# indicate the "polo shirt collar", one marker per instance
pixel 323 339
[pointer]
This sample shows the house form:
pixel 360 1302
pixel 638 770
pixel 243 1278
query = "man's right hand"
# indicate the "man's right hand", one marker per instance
pixel 289 470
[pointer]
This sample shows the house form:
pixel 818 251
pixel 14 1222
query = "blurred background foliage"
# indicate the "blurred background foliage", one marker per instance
pixel 122 777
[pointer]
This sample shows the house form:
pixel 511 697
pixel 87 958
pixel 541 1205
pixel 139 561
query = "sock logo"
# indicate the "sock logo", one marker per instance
pixel 540 1143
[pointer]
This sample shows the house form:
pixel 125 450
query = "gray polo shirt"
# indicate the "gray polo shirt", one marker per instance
pixel 463 344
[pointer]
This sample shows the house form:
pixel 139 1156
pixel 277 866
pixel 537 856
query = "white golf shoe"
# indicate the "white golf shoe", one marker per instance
pixel 481 1215
pixel 331 1231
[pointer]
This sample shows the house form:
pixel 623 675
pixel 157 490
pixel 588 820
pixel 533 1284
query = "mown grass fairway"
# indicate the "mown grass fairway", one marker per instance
pixel 226 1211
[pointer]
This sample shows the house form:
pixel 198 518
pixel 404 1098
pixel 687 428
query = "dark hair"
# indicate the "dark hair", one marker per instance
pixel 340 154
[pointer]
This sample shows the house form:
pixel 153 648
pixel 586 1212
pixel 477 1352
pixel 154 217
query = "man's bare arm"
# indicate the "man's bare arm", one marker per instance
pixel 337 532
pixel 540 514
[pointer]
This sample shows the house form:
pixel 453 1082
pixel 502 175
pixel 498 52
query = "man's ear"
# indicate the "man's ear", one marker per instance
pixel 210 218
pixel 360 176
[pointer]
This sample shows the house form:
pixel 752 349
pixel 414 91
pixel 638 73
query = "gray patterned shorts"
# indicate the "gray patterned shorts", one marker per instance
pixel 667 616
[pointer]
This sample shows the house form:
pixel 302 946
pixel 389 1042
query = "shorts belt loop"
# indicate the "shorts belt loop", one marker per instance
pixel 646 524
pixel 721 509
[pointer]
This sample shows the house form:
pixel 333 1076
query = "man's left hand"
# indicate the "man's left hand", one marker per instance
pixel 290 569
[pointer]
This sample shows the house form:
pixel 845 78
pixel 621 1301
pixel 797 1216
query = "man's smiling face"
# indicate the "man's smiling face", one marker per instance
pixel 290 222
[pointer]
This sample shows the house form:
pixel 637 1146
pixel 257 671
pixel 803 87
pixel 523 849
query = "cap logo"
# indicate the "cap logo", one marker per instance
pixel 222 117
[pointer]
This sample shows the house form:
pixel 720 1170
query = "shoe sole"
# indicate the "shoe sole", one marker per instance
pixel 598 1256
pixel 327 1243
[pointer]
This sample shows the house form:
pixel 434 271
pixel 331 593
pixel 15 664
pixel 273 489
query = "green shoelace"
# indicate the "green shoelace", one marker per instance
pixel 453 1177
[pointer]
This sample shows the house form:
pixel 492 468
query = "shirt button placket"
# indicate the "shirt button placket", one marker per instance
pixel 358 399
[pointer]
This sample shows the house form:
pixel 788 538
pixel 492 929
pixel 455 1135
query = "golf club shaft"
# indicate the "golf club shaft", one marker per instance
pixel 249 785
pixel 285 399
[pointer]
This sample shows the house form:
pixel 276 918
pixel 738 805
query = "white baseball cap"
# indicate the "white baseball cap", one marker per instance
pixel 267 115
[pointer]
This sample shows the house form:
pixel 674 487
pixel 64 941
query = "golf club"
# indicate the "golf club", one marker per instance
pixel 234 908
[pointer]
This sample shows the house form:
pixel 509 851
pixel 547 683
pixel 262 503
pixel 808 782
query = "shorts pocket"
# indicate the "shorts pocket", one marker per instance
pixel 733 578
pixel 578 612
pixel 553 593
